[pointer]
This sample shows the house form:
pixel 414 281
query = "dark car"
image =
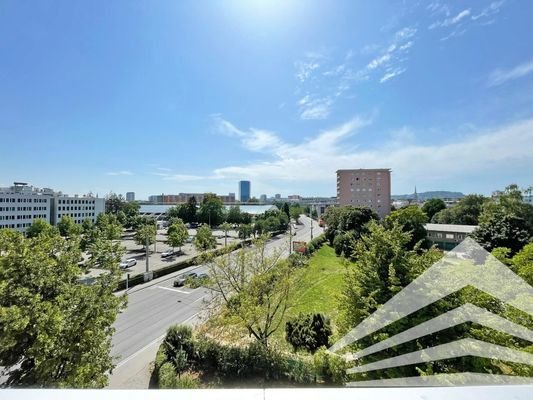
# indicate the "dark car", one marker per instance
pixel 181 279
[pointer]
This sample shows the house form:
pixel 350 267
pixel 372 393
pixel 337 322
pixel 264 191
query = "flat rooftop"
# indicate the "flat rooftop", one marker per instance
pixel 450 228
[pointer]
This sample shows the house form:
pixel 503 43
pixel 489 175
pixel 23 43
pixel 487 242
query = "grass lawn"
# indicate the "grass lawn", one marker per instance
pixel 317 288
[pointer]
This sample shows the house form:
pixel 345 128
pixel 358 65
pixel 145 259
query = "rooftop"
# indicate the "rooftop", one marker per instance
pixel 451 228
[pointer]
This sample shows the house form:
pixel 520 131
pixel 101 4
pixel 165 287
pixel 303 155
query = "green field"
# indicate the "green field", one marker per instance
pixel 317 288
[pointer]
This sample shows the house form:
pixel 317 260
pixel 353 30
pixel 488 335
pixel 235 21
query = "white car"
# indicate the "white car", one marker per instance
pixel 130 262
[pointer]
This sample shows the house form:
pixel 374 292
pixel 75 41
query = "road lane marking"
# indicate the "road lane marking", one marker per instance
pixel 173 290
pixel 158 339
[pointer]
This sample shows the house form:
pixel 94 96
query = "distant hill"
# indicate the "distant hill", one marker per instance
pixel 437 194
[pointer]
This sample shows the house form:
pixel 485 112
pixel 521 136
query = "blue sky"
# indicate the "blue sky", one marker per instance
pixel 169 97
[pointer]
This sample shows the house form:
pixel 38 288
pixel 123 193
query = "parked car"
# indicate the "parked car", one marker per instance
pixel 202 275
pixel 168 253
pixel 130 262
pixel 181 279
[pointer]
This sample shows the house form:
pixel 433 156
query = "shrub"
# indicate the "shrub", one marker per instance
pixel 297 260
pixel 179 346
pixel 187 381
pixel 330 368
pixel 308 331
pixel 167 376
pixel 316 243
pixel 344 244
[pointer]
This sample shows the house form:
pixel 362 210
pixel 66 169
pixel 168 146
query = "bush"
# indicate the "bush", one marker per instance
pixel 167 376
pixel 187 381
pixel 344 244
pixel 330 368
pixel 316 243
pixel 179 346
pixel 308 331
pixel 297 260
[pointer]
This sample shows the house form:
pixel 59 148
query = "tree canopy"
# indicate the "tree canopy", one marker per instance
pixel 56 331
pixel 204 239
pixel 432 207
pixel 411 219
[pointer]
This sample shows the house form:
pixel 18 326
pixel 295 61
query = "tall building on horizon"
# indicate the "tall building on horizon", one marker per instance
pixel 244 191
pixel 365 187
pixel 130 196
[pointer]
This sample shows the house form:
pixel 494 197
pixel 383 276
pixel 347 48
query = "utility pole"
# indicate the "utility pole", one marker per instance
pixel 311 212
pixel 147 256
pixel 290 236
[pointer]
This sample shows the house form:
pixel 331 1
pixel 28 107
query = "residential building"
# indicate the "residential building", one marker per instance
pixel 447 236
pixel 244 191
pixel 263 198
pixel 365 187
pixel 130 196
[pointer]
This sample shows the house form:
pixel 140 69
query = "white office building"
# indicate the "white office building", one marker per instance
pixel 78 208
pixel 21 205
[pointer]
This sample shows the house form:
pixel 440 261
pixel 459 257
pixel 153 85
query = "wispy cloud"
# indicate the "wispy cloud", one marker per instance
pixel 452 20
pixel 317 158
pixel 391 61
pixel 118 173
pixel 315 108
pixel 492 9
pixel 391 74
pixel 305 67
pixel 499 77
pixel 179 177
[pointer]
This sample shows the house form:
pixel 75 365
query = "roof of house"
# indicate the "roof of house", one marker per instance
pixel 450 228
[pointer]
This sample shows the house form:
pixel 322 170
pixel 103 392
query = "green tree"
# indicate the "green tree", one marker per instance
pixel 87 225
pixel 67 227
pixel 286 209
pixel 502 230
pixel 225 227
pixel 177 234
pixel 253 288
pixel 295 211
pixel 131 214
pixel 39 227
pixel 146 234
pixel 465 212
pixel 433 206
pixel 114 203
pixel 212 210
pixel 411 219
pixel 204 239
pixel 109 225
pixel 245 231
pixel 344 219
pixel 234 215
pixel 191 209
pixel 56 331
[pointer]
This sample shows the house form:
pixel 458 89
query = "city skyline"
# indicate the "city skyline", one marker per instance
pixel 279 93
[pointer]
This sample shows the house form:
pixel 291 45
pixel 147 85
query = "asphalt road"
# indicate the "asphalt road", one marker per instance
pixel 156 305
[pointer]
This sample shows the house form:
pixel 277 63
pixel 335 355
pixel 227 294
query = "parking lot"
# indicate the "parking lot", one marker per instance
pixel 155 261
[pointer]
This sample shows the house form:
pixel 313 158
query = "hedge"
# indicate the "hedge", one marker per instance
pixel 139 278
pixel 230 363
